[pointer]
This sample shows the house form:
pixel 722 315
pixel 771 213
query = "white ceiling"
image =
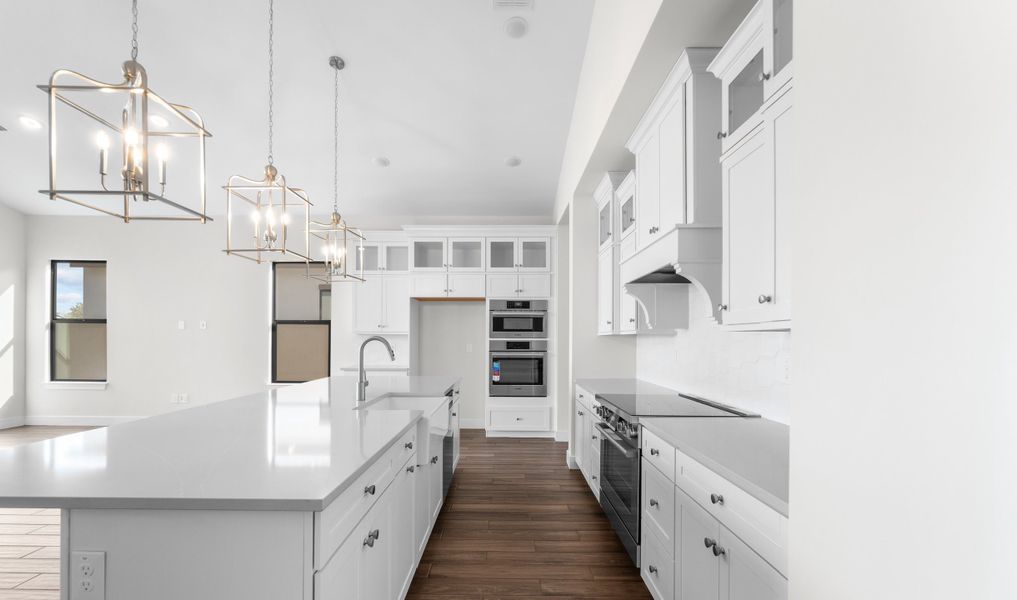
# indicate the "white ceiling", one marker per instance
pixel 436 86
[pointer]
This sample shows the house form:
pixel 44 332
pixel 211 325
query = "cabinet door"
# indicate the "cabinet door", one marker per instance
pixel 605 292
pixel 501 254
pixel 604 233
pixel 697 570
pixel 778 59
pixel 778 123
pixel 748 232
pixel 581 448
pixel 456 433
pixel 672 166
pixel 429 286
pixel 397 258
pixel 434 484
pixel 397 304
pixel 467 285
pixel 369 310
pixel 374 571
pixel 628 312
pixel 339 579
pixel 466 254
pixel 370 257
pixel 744 575
pixel 502 286
pixel 594 461
pixel 534 254
pixel 648 192
pixel 429 255
pixel 533 285
pixel 403 547
pixel 421 496
pixel 587 455
pixel 626 214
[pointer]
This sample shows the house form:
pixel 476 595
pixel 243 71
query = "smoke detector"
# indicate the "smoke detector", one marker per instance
pixel 513 4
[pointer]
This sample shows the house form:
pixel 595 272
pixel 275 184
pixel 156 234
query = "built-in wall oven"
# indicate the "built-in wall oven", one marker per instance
pixel 518 368
pixel 518 319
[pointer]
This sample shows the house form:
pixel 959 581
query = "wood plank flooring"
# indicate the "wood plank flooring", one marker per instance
pixel 30 537
pixel 518 524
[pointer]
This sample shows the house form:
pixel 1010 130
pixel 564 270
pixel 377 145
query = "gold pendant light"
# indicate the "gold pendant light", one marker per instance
pixel 134 125
pixel 267 208
pixel 339 241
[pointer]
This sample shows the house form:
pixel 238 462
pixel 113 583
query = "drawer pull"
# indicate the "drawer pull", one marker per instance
pixel 434 460
pixel 594 477
pixel 519 418
pixel 370 489
pixel 709 543
pixel 652 569
pixel 654 452
pixel 581 413
pixel 371 537
pixel 408 445
pixel 716 499
pixel 594 437
pixel 654 503
pixel 411 468
pixel 719 550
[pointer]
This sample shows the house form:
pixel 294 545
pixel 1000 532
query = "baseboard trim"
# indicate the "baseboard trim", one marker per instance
pixel 520 434
pixel 561 436
pixel 9 422
pixel 76 421
pixel 471 423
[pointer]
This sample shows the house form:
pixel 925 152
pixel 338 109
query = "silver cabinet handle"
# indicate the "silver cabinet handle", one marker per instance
pixel 709 542
pixel 594 477
pixel 716 499
pixel 370 489
pixel 654 452
pixel 721 135
pixel 652 569
pixel 763 298
pixel 632 320
pixel 721 307
pixel 434 460
pixel 455 414
pixel 593 437
pixel 519 418
pixel 609 322
pixel 581 413
pixel 408 445
pixel 764 76
pixel 654 503
pixel 411 468
pixel 719 550
pixel 371 537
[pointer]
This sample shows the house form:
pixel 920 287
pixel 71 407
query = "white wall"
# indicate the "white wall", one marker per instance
pixel 749 370
pixel 903 478
pixel 452 341
pixel 157 273
pixel 12 317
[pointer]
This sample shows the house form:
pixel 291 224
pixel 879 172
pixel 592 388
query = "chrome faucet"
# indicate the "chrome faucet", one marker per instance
pixel 362 379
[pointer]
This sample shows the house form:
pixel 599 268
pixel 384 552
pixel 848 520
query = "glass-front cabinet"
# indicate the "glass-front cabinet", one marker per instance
pixel 519 254
pixel 780 30
pixel 466 254
pixel 429 255
pixel 605 224
pixel 377 257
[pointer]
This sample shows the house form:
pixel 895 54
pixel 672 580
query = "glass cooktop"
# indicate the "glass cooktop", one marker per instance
pixel 668 405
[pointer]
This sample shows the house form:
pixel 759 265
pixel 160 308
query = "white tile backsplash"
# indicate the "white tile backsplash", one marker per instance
pixel 749 370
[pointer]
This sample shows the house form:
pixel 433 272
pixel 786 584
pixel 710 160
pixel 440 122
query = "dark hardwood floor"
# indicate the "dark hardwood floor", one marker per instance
pixel 519 524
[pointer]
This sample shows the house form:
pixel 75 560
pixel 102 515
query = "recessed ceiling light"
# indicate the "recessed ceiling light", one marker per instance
pixel 381 161
pixel 29 123
pixel 516 27
pixel 513 161
pixel 158 120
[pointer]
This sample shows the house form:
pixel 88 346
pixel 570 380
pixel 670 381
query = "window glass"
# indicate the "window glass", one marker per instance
pixel 78 321
pixel 301 328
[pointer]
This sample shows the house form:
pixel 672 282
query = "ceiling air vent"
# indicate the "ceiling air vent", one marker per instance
pixel 513 4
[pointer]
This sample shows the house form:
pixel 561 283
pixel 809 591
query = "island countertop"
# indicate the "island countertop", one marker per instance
pixel 290 448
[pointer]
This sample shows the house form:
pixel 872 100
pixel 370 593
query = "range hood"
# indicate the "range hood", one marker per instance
pixel 659 275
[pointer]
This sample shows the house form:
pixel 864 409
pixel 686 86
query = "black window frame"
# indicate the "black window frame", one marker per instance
pixel 276 322
pixel 53 320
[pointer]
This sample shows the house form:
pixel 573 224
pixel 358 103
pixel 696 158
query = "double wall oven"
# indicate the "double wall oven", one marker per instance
pixel 517 363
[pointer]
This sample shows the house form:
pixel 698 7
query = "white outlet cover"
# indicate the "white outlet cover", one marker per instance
pixel 203 325
pixel 88 575
pixel 180 325
pixel 185 398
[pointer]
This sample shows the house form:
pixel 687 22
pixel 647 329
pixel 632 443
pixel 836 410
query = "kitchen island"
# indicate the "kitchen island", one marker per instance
pixel 290 493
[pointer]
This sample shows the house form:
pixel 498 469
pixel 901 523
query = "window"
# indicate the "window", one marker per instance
pixel 77 326
pixel 301 324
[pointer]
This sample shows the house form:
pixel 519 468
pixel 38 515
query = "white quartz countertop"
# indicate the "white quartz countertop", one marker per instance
pixel 291 448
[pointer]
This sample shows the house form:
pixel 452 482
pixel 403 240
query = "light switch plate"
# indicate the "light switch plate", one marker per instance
pixel 88 575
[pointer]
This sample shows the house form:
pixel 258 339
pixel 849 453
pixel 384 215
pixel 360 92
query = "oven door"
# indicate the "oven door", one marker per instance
pixel 518 324
pixel 518 374
pixel 619 486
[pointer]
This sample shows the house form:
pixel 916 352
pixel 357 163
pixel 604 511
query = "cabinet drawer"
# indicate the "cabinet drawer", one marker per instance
pixel 761 527
pixel 333 525
pixel 658 507
pixel 657 569
pixel 522 419
pixel 584 397
pixel 659 454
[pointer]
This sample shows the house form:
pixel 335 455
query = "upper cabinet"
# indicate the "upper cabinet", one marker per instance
pixel 625 198
pixel 519 254
pixel 755 67
pixel 430 254
pixel 448 254
pixel 466 254
pixel 377 257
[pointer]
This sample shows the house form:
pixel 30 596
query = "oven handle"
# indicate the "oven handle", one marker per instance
pixel 518 354
pixel 617 441
pixel 518 313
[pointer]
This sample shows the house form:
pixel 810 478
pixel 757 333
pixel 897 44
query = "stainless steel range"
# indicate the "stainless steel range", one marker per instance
pixel 621 440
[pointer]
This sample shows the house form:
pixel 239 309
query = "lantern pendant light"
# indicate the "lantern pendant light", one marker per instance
pixel 267 208
pixel 131 122
pixel 339 241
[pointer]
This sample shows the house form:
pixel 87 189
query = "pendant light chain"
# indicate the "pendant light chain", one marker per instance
pixel 134 30
pixel 335 133
pixel 271 65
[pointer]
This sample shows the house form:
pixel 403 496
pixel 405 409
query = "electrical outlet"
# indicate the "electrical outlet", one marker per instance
pixel 174 398
pixel 202 325
pixel 469 348
pixel 184 398
pixel 181 325
pixel 88 575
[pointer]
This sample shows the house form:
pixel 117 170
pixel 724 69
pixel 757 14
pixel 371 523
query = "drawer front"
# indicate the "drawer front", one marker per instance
pixel 520 419
pixel 659 453
pixel 744 575
pixel 657 569
pixel 658 507
pixel 595 471
pixel 334 524
pixel 584 397
pixel 761 527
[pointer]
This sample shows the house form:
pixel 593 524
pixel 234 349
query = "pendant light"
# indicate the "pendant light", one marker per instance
pixel 138 130
pixel 268 207
pixel 339 241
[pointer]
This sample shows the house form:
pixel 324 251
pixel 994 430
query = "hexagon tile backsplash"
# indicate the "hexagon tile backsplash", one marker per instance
pixel 749 370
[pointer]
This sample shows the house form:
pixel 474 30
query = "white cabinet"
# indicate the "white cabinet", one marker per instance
pixel 625 198
pixel 448 254
pixel 744 575
pixel 676 149
pixel 428 286
pixel 519 254
pixel 452 285
pixel 466 254
pixel 607 291
pixel 379 257
pixel 523 285
pixel 429 254
pixel 697 570
pixel 382 305
pixel 757 251
pixel 403 552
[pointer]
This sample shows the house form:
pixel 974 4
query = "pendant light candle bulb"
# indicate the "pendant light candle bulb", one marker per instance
pixel 102 140
pixel 131 137
pixel 162 152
